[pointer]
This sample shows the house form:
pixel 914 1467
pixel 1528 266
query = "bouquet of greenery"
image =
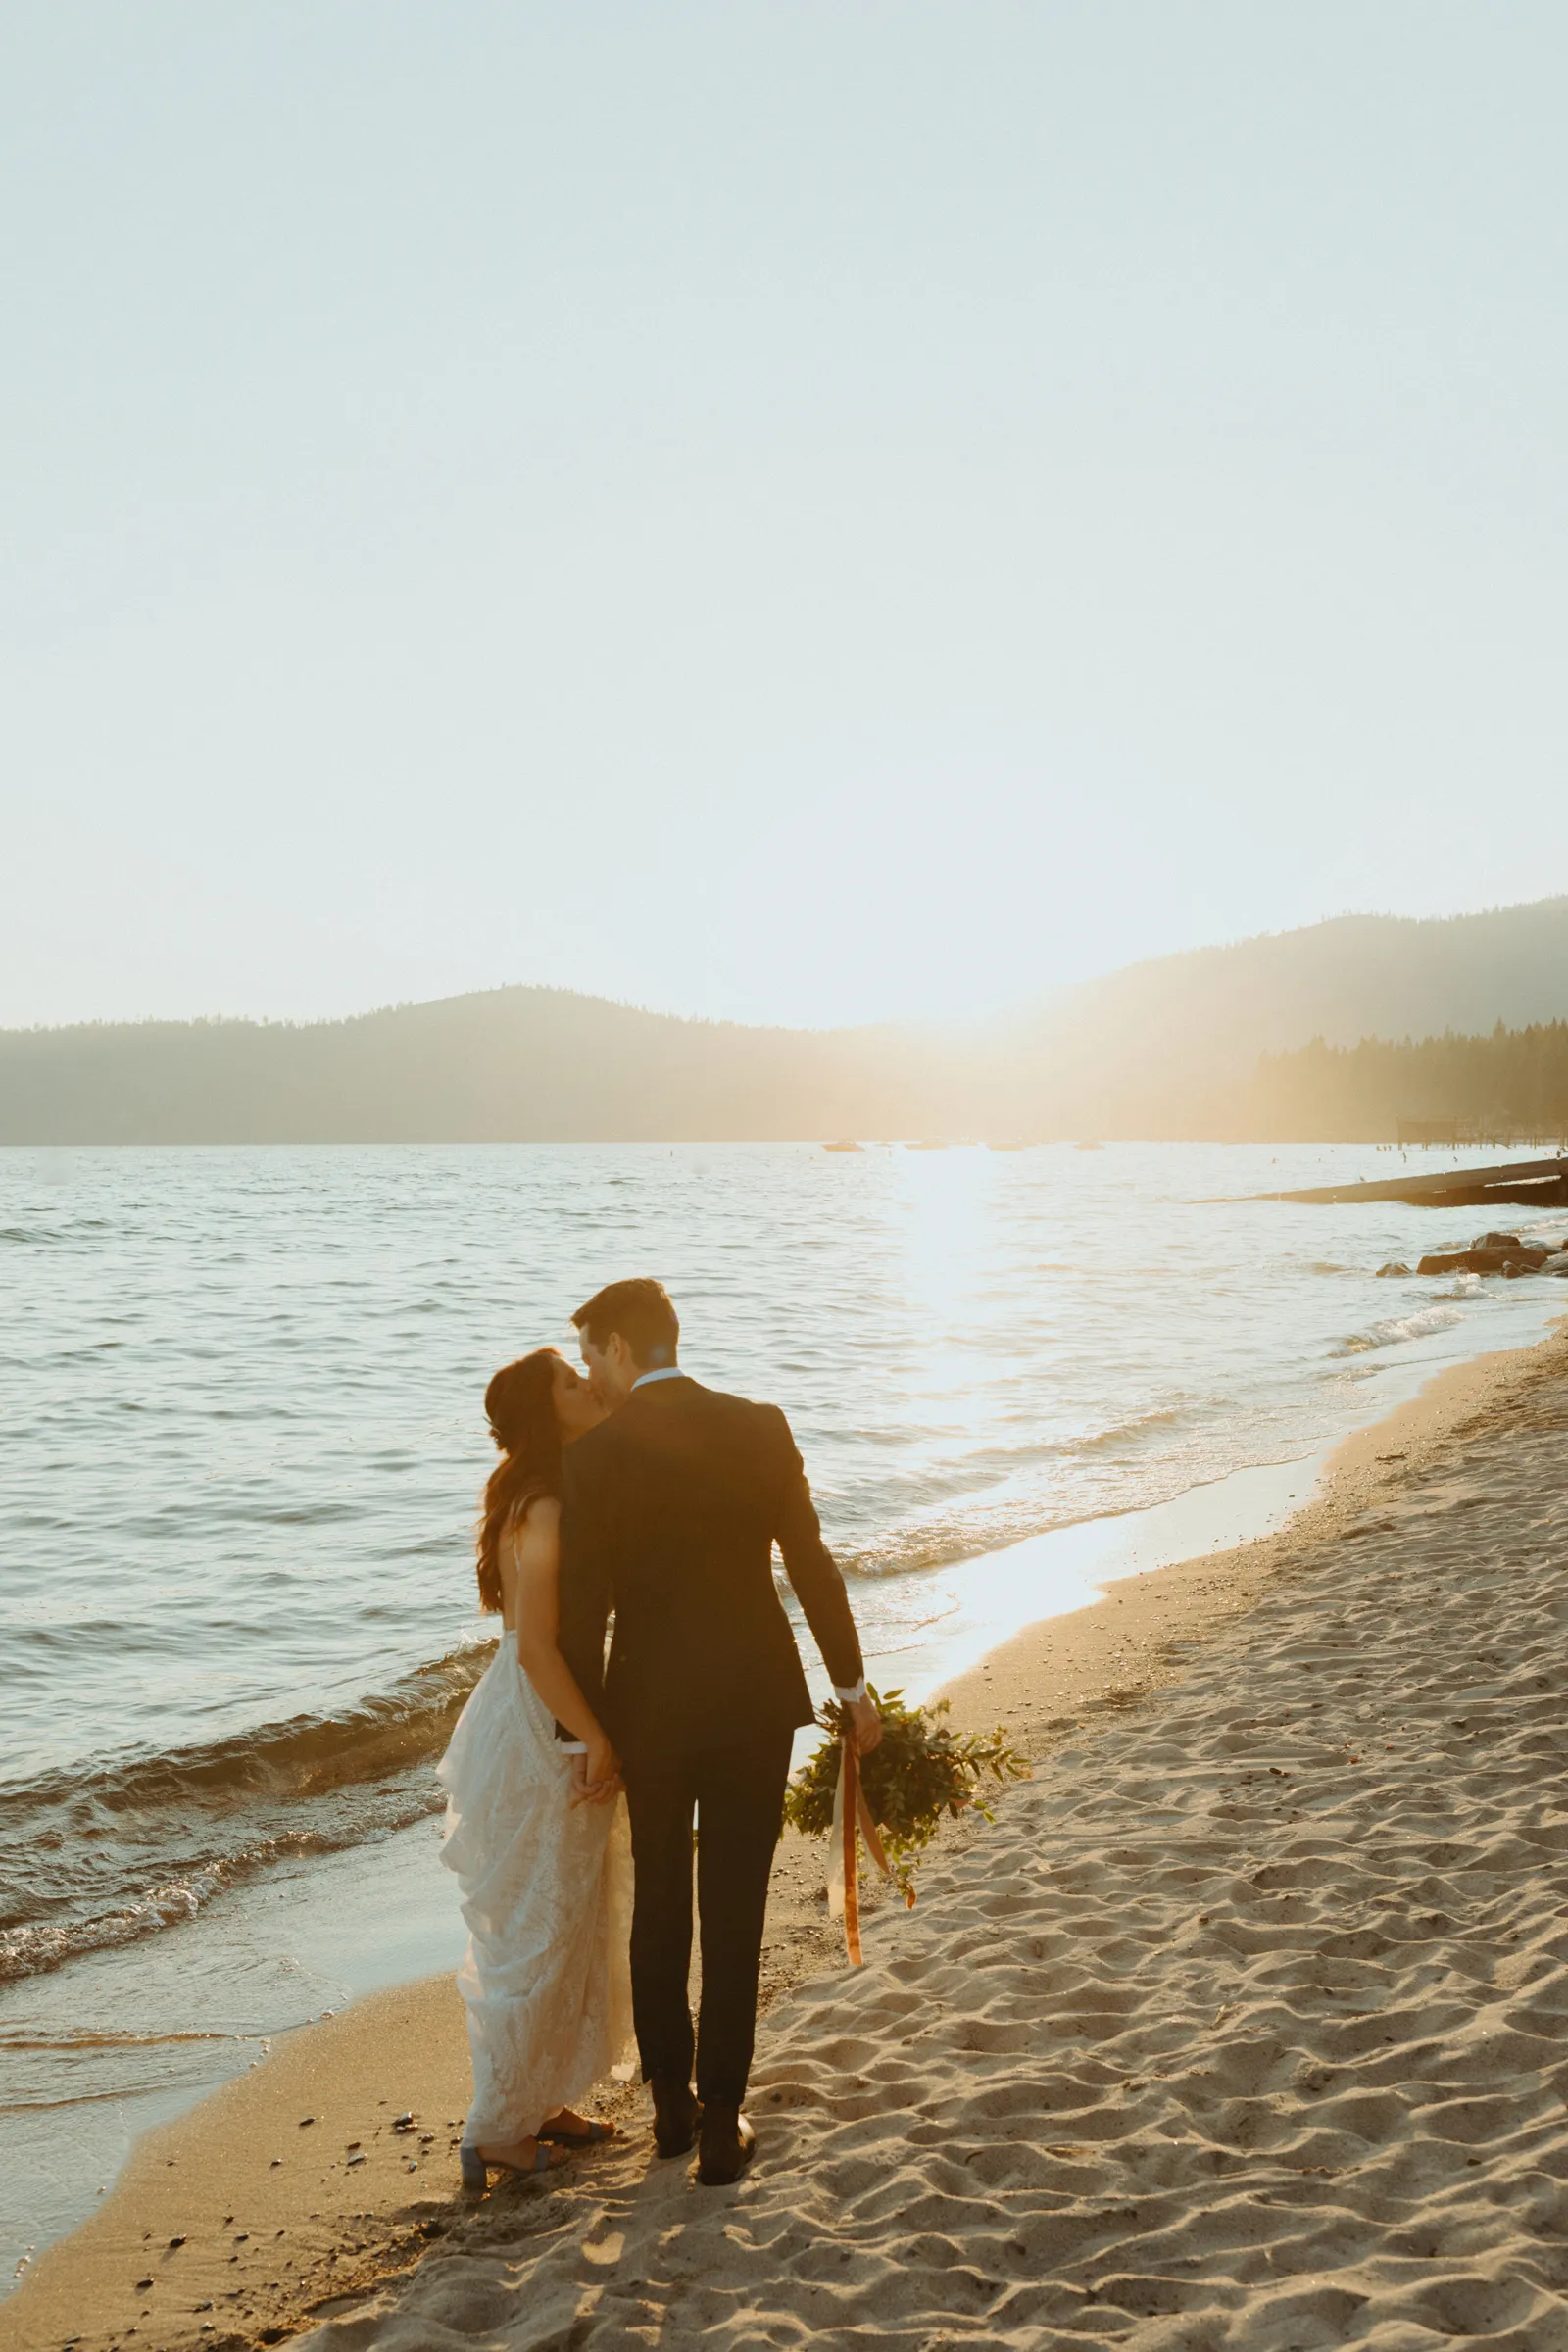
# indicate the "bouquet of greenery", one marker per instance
pixel 920 1772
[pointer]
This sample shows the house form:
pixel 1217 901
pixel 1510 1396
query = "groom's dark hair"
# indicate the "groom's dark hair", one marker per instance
pixel 643 1314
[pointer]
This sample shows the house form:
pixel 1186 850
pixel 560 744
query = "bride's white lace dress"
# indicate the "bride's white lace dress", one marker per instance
pixel 546 1892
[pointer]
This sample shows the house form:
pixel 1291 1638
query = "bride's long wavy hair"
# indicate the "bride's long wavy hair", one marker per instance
pixel 521 1405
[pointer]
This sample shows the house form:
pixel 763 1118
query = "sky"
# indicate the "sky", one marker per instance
pixel 805 512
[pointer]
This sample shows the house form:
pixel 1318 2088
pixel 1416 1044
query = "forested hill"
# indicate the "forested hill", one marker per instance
pixel 1513 1083
pixel 1161 1048
pixel 516 1064
pixel 1166 1048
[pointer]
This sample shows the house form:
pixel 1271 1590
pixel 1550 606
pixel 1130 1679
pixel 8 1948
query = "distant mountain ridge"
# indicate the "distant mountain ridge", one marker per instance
pixel 1163 1049
pixel 1160 1048
pixel 512 1065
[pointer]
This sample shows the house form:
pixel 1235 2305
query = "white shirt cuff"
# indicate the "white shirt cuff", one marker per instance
pixel 848 1697
pixel 573 1747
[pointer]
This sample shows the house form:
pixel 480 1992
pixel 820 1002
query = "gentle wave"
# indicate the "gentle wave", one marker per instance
pixel 1121 1431
pixel 30 1947
pixel 1416 1326
pixel 302 1756
pixel 155 1839
pixel 1005 1505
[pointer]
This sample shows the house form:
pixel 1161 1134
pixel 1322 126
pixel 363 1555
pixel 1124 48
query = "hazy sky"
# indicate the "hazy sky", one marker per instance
pixel 805 511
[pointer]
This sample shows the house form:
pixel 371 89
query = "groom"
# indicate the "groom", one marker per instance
pixel 669 1512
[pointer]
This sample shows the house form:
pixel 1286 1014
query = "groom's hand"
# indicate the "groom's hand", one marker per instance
pixel 865 1726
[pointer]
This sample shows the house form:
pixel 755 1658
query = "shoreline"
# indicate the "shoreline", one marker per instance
pixel 279 2232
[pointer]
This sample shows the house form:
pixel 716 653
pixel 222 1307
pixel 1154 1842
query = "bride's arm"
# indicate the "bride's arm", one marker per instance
pixel 536 1553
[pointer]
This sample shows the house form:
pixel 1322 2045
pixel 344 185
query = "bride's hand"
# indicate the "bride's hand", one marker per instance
pixel 584 1792
pixel 596 1775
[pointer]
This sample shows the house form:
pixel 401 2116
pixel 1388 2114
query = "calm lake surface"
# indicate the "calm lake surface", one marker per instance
pixel 241 1398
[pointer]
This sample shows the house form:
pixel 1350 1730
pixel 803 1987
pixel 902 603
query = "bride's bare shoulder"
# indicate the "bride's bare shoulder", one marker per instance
pixel 537 1515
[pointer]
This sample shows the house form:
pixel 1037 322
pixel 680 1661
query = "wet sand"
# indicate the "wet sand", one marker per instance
pixel 1241 2025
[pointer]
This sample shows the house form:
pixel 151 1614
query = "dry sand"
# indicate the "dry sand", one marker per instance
pixel 1243 2026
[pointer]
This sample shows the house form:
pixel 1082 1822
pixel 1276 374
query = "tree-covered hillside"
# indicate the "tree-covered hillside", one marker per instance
pixel 1513 1081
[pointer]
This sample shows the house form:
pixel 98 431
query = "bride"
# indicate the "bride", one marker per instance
pixel 545 1872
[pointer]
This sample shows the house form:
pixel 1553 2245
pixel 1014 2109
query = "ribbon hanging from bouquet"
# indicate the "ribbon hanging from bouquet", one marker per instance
pixel 852 1819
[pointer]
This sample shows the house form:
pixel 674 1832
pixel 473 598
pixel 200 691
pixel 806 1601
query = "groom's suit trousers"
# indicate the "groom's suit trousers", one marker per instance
pixel 736 1796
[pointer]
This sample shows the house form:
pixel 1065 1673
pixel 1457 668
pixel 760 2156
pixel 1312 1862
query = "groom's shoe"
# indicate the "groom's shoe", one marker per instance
pixel 728 2145
pixel 676 2115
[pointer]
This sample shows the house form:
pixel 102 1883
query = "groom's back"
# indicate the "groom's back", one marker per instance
pixel 670 1512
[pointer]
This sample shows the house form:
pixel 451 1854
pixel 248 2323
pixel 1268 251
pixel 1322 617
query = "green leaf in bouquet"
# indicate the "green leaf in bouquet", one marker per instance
pixel 919 1775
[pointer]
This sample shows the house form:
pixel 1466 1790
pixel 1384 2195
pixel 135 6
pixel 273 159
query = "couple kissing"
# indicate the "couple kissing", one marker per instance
pixel 629 1491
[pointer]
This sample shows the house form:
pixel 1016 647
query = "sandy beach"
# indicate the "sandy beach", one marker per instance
pixel 1242 2027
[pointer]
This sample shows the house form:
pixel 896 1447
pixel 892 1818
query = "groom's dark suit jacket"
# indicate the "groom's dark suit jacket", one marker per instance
pixel 670 1513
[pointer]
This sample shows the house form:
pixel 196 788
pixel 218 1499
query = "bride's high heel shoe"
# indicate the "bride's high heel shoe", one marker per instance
pixel 588 2134
pixel 476 2170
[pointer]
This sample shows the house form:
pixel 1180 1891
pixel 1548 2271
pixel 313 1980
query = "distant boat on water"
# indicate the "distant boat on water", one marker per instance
pixel 844 1147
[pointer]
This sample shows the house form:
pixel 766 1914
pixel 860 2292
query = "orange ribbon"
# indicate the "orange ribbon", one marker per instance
pixel 853 1799
pixel 852 1820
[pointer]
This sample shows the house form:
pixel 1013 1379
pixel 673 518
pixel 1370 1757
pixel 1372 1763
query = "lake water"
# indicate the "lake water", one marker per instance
pixel 243 1440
